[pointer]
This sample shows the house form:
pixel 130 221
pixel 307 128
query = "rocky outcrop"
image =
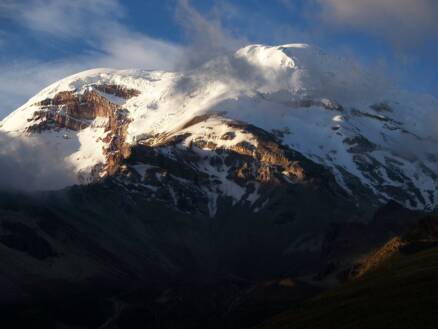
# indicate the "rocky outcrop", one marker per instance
pixel 69 105
pixel 117 149
pixel 76 111
pixel 196 173
pixel 117 90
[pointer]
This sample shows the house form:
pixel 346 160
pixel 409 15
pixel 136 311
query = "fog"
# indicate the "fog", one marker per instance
pixel 28 165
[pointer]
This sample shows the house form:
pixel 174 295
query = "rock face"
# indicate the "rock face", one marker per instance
pixel 199 169
pixel 72 111
pixel 77 111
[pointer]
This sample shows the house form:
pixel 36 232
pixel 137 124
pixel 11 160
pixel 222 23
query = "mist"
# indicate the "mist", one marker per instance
pixel 28 165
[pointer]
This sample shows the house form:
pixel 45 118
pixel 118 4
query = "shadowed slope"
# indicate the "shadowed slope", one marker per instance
pixel 402 292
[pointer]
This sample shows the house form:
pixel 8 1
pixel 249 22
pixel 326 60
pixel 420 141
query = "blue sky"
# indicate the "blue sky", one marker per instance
pixel 43 41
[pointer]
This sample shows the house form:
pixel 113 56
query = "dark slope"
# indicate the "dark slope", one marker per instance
pixel 399 291
pixel 102 253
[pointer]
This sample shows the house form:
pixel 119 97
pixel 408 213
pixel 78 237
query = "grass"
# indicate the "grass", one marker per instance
pixel 402 293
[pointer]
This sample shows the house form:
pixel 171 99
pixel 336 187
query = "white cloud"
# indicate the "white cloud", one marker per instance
pixel 399 20
pixel 125 49
pixel 207 36
pixel 288 4
pixel 23 79
pixel 28 166
pixel 65 18
pixel 97 22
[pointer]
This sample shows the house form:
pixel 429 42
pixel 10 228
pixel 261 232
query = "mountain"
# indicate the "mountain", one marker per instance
pixel 261 170
pixel 374 139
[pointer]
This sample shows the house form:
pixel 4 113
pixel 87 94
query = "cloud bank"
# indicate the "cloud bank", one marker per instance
pixel 206 35
pixel 404 22
pixel 26 166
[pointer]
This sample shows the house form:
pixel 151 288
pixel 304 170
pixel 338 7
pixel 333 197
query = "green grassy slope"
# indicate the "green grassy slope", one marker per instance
pixel 401 293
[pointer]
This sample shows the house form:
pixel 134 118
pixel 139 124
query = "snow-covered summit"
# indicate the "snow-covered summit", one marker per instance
pixel 325 107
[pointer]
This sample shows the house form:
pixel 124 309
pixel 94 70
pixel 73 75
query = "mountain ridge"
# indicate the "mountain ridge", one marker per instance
pixel 303 96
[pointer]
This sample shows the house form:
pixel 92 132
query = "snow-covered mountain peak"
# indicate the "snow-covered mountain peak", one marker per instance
pixel 295 71
pixel 266 57
pixel 325 107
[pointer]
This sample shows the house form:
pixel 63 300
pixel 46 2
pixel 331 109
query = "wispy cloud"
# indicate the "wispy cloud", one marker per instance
pixel 206 35
pixel 404 22
pixel 67 19
pixel 21 80
pixel 29 166
pixel 122 48
pixel 288 4
pixel 97 23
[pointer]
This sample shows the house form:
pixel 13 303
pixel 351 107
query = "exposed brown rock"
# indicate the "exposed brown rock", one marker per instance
pixel 267 162
pixel 245 172
pixel 270 154
pixel 77 111
pixel 73 111
pixel 228 136
pixel 117 149
pixel 374 260
pixel 197 119
pixel 119 91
